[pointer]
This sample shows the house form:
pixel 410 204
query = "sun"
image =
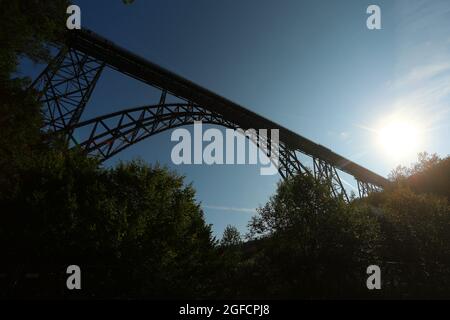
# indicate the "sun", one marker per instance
pixel 400 138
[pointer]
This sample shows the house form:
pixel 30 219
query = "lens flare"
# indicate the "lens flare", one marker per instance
pixel 401 139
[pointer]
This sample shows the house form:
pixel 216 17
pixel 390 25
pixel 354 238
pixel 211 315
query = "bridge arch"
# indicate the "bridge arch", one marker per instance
pixel 107 135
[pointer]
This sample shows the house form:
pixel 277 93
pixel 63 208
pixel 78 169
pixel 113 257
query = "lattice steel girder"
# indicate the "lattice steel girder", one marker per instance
pixel 365 188
pixel 327 173
pixel 112 133
pixel 65 87
pixel 290 163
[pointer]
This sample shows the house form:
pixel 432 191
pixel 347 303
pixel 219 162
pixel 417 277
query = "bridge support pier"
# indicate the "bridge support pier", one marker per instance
pixel 65 87
pixel 328 174
pixel 365 188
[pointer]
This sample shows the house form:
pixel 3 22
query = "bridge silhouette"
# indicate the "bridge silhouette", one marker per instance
pixel 67 83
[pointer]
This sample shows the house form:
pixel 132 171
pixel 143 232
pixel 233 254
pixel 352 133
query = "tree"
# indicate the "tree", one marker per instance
pixel 135 230
pixel 312 244
pixel 414 250
pixel 26 30
pixel 429 175
pixel 231 237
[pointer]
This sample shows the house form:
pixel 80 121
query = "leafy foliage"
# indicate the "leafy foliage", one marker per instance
pixel 430 175
pixel 231 237
pixel 136 229
pixel 415 225
pixel 27 28
pixel 312 244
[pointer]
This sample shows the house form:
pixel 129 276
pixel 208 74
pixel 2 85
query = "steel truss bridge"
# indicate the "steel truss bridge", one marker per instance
pixel 67 83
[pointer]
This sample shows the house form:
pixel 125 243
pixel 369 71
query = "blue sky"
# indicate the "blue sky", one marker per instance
pixel 312 66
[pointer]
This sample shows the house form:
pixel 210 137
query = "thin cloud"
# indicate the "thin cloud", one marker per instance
pixel 234 209
pixel 423 58
pixel 422 73
pixel 361 126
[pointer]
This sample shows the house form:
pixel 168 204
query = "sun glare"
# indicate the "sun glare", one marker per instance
pixel 400 138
